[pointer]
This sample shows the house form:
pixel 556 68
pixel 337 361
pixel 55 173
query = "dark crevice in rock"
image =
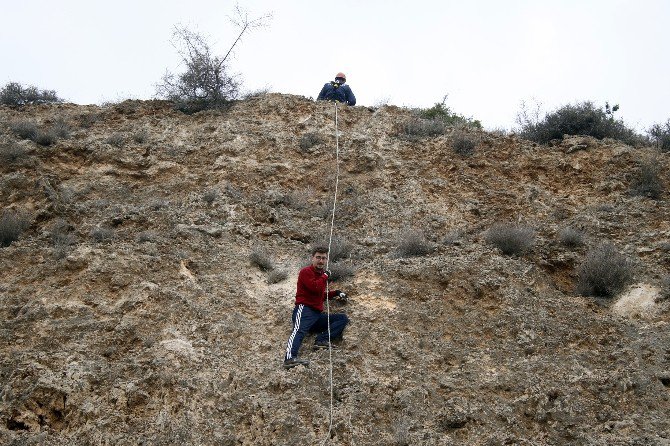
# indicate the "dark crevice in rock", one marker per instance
pixel 15 425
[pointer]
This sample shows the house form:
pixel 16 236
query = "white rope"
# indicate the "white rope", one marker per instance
pixel 330 241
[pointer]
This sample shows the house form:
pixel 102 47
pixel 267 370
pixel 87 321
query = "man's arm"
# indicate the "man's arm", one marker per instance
pixel 351 99
pixel 322 94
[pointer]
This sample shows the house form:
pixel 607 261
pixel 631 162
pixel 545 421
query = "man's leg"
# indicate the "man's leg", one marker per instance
pixel 337 323
pixel 303 319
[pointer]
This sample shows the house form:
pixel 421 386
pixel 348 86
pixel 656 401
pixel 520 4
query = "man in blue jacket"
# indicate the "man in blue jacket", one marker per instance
pixel 337 90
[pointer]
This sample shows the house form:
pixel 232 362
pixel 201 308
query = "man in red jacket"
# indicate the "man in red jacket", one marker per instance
pixel 308 316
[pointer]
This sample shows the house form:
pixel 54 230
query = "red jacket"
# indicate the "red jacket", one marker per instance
pixel 311 289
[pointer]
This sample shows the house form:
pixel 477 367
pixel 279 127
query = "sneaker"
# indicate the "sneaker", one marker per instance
pixel 323 345
pixel 293 362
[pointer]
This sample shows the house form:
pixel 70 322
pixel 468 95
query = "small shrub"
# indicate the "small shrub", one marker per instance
pixel 665 288
pixel 382 102
pixel 277 276
pixel 580 119
pixel 46 138
pixel 61 129
pixel 116 140
pixel 87 120
pixel 29 130
pixel 401 432
pixel 146 236
pixel 12 154
pixel 511 239
pixel 647 181
pixel 309 140
pixel 412 243
pixel 660 133
pixel 297 199
pixel 604 272
pixel 463 144
pixel 61 238
pixel 415 128
pixel 339 248
pixel 570 237
pixel 261 259
pixel 341 271
pixel 25 129
pixel 452 238
pixel 440 112
pixel 12 224
pixel 323 210
pixel 15 94
pixel 102 235
pixel 157 204
pixel 264 91
pixel 234 193
pixel 210 196
pixel 141 136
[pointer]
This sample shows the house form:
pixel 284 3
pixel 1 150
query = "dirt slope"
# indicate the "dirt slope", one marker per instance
pixel 131 313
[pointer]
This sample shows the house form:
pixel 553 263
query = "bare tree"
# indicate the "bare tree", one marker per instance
pixel 207 81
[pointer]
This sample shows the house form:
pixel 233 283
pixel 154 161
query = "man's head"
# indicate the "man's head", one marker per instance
pixel 340 78
pixel 319 257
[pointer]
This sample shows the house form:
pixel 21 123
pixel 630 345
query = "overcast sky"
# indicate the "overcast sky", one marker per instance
pixel 487 55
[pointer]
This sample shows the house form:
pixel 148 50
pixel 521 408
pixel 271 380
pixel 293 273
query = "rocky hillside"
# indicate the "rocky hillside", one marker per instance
pixel 148 299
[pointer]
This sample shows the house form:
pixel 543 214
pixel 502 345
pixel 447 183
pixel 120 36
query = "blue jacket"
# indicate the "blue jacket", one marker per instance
pixel 333 91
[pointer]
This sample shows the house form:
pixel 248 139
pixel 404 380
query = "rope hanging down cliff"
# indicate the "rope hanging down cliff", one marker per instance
pixel 330 241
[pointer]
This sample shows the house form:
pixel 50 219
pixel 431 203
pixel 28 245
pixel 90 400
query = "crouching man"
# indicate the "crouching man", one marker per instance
pixel 308 315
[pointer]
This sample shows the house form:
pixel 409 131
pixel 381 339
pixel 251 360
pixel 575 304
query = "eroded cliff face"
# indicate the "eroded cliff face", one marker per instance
pixel 131 313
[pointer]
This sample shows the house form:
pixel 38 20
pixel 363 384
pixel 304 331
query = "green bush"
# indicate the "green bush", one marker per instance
pixel 340 271
pixel 309 140
pixel 12 224
pixel 435 121
pixel 210 195
pixel 511 239
pixel 116 140
pixel 15 94
pixel 339 249
pixel 463 144
pixel 102 235
pixel 29 130
pixel 647 180
pixel 61 129
pixel 276 276
pixel 665 288
pixel 440 112
pixel 579 119
pixel 412 243
pixel 25 129
pixel 61 238
pixel 12 154
pixel 571 237
pixel 46 138
pixel 604 272
pixel 260 258
pixel 141 136
pixel 660 133
pixel 415 128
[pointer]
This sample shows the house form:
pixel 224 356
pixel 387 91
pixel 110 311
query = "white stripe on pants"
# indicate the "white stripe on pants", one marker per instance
pixel 296 327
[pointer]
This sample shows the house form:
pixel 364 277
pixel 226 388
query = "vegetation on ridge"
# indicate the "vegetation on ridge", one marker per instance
pixel 579 119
